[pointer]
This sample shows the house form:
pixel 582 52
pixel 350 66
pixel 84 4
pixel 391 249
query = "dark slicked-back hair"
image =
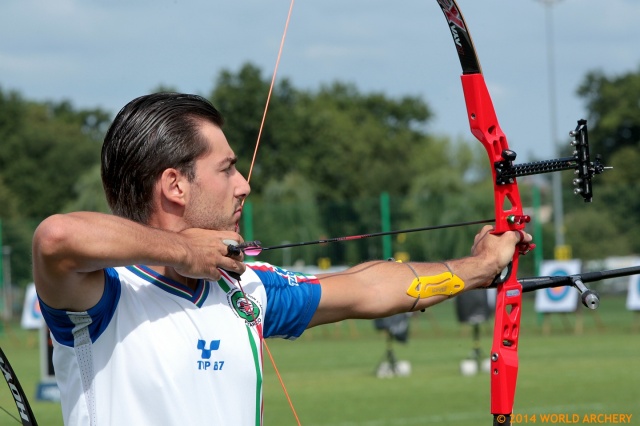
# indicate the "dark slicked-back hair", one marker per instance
pixel 149 135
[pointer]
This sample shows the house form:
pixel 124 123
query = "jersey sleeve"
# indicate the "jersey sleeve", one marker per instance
pixel 63 323
pixel 292 299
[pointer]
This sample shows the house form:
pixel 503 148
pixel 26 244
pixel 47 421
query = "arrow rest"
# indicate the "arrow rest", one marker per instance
pixel 580 162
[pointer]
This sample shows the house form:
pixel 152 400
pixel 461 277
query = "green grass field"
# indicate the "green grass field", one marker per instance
pixel 329 372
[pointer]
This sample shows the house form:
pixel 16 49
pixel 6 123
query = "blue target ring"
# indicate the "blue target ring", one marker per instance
pixel 36 313
pixel 557 293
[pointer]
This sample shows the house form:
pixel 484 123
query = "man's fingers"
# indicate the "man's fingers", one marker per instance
pixel 523 237
pixel 524 244
pixel 487 228
pixel 233 266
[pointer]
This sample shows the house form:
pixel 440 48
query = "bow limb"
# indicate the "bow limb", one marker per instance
pixel 20 398
pixel 508 216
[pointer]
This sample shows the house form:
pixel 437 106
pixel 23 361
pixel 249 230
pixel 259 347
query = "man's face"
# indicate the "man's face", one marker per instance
pixel 216 194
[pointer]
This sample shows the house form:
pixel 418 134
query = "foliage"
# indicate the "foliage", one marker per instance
pixel 15 233
pixel 288 212
pixel 325 156
pixel 319 134
pixel 89 193
pixel 44 149
pixel 350 145
pixel 611 226
pixel 613 104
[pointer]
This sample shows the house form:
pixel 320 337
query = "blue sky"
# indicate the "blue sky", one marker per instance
pixel 104 53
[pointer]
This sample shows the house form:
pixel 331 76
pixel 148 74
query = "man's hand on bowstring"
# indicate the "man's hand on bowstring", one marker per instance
pixel 207 251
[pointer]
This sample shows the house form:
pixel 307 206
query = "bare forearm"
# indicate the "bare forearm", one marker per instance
pixel 378 289
pixel 70 252
pixel 85 242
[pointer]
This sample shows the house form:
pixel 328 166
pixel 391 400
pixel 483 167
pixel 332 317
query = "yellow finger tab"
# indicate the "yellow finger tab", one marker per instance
pixel 445 284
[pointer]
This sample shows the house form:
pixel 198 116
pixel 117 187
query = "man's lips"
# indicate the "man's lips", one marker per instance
pixel 237 213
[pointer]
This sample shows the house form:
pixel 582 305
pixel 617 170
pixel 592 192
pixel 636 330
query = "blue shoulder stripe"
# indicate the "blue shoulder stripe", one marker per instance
pixel 63 323
pixel 292 300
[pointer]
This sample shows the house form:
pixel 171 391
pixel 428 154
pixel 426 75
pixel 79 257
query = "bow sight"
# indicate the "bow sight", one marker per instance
pixel 580 162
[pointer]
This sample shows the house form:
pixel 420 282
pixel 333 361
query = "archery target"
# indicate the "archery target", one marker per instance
pixel 558 299
pixel 557 293
pixel 31 314
pixel 633 295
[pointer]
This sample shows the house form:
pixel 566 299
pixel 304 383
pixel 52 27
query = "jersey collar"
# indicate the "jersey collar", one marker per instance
pixel 197 296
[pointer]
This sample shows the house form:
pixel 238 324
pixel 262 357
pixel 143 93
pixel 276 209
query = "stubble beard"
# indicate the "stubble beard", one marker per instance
pixel 208 219
pixel 199 214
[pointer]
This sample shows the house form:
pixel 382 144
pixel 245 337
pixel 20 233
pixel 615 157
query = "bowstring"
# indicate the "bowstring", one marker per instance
pixel 253 160
pixel 271 86
pixel 10 415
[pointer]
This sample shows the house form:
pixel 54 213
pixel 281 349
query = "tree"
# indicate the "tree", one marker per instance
pixel 349 145
pixel 241 100
pixel 337 137
pixel 16 233
pixel 89 192
pixel 609 226
pixel 358 145
pixel 288 211
pixel 45 148
pixel 613 104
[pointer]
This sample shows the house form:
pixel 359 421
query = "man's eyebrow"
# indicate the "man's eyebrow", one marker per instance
pixel 229 161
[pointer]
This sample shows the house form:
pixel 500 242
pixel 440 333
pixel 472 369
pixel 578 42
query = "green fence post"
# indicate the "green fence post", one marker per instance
pixel 537 231
pixel 247 222
pixel 538 256
pixel 385 218
pixel 1 281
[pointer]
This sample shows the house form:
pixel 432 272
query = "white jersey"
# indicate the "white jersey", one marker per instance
pixel 154 352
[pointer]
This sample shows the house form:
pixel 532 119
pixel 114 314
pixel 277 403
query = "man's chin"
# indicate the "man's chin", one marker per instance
pixel 233 228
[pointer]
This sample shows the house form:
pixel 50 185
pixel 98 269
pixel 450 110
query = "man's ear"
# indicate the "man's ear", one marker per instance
pixel 174 186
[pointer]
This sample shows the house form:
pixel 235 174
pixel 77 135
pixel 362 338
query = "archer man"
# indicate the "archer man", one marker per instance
pixel 155 319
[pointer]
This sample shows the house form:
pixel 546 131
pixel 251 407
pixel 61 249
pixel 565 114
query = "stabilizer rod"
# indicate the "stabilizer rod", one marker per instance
pixel 590 298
